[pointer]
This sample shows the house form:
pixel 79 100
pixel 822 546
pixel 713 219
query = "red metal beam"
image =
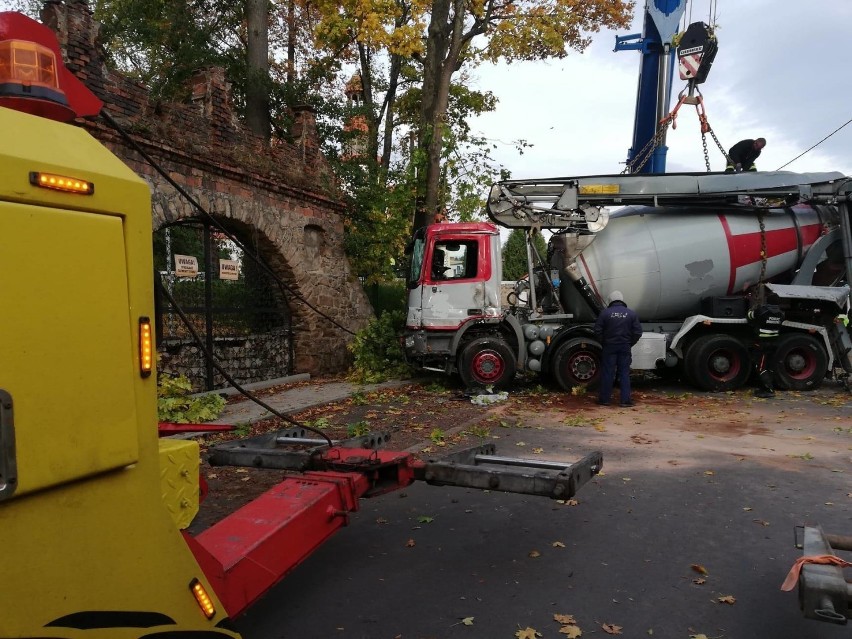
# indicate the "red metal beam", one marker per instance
pixel 249 551
pixel 170 428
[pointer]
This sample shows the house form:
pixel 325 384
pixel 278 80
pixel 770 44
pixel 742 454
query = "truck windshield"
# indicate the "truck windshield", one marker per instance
pixel 416 261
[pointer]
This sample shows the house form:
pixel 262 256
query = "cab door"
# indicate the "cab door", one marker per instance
pixel 453 282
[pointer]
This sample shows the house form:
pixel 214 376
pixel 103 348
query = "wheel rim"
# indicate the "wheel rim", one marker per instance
pixel 800 363
pixel 487 366
pixel 723 365
pixel 582 367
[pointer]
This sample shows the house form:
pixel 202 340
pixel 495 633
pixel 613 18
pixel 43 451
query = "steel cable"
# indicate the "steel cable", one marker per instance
pixel 815 145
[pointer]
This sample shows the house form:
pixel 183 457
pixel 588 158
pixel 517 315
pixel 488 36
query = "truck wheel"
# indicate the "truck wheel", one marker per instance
pixel 487 361
pixel 800 362
pixel 717 363
pixel 577 362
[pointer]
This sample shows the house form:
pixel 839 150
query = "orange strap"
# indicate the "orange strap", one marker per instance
pixel 793 576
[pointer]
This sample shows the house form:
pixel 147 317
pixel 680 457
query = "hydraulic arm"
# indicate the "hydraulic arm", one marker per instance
pixel 249 551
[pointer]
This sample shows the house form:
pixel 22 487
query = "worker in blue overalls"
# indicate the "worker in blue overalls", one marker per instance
pixel 618 329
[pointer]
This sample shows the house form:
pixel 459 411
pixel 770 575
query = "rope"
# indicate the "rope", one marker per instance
pixel 815 145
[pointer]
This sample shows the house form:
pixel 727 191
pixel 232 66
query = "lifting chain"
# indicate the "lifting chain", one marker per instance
pixel 641 159
pixel 705 129
pixel 760 297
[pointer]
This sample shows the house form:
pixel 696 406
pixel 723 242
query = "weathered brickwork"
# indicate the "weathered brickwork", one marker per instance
pixel 284 192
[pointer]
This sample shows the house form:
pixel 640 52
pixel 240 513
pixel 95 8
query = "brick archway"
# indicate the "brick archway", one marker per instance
pixel 284 191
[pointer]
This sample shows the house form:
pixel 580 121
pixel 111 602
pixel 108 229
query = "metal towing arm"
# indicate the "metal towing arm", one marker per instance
pixel 824 592
pixel 249 551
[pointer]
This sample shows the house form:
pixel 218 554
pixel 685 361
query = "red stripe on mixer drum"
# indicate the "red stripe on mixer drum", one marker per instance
pixel 744 248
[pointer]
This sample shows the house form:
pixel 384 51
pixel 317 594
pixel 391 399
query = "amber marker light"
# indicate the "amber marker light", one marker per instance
pixel 146 347
pixel 203 599
pixel 61 183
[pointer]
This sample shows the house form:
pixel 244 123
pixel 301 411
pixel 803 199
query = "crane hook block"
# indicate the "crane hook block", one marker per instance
pixel 696 50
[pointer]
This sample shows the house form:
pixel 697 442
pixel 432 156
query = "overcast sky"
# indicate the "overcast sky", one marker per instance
pixel 782 72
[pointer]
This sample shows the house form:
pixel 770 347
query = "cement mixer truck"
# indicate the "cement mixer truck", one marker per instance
pixel 690 253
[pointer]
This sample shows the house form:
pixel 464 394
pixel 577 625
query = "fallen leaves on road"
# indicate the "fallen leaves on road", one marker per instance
pixel 468 621
pixel 728 599
pixel 611 629
pixel 569 626
pixel 410 543
pixel 709 472
pixel 527 633
pixel 701 570
pixel 558 544
pixel 534 553
pixel 538 451
pixel 762 522
pixel 804 456
pixel 700 581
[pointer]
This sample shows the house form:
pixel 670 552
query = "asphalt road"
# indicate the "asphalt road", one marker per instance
pixel 674 493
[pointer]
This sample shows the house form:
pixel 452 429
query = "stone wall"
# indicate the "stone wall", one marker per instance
pixel 283 192
pixel 253 358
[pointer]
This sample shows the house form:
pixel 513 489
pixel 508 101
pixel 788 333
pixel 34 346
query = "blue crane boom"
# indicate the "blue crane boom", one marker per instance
pixel 655 75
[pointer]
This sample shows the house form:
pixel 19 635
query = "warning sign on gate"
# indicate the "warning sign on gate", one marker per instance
pixel 229 270
pixel 186 266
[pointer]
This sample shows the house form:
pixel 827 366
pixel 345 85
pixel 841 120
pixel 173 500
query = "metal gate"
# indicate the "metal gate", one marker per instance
pixel 237 308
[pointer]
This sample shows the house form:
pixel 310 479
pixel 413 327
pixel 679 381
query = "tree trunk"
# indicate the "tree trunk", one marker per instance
pixel 369 108
pixel 432 111
pixel 390 104
pixel 257 85
pixel 291 41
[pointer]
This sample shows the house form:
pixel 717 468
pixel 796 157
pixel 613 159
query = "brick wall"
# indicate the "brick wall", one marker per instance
pixel 283 191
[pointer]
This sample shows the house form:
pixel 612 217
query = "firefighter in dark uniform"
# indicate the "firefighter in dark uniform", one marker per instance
pixel 742 155
pixel 766 320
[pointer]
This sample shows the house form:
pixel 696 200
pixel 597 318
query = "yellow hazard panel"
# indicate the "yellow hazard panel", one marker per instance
pixel 67 360
pixel 179 462
pixel 599 189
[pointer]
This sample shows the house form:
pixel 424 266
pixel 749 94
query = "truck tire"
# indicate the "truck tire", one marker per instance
pixel 487 361
pixel 577 362
pixel 800 362
pixel 717 363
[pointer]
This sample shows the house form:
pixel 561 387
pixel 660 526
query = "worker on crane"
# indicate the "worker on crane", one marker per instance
pixel 742 155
